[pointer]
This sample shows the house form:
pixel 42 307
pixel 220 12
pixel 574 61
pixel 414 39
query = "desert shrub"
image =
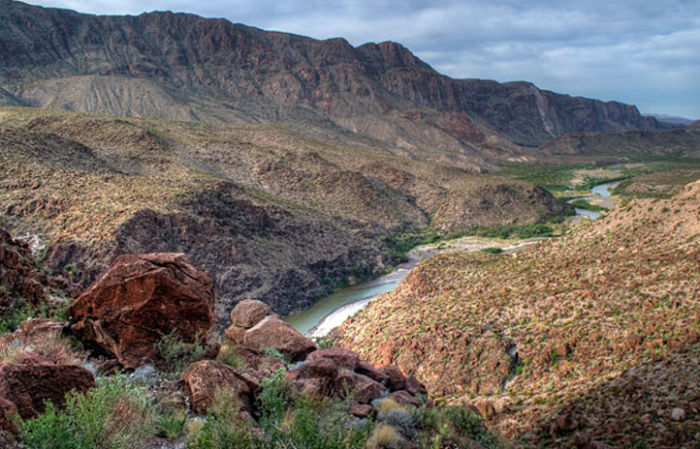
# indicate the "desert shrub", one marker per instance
pixel 176 355
pixel 274 399
pixel 385 405
pixel 469 424
pixel 114 415
pixel 493 250
pixel 224 428
pixel 272 352
pixel 401 419
pixel 324 342
pixel 229 356
pixel 384 437
pixel 171 425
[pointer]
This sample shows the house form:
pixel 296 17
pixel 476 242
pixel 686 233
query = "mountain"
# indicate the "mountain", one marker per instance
pixel 184 67
pixel 268 213
pixel 679 142
pixel 573 342
pixel 671 119
pixel 695 126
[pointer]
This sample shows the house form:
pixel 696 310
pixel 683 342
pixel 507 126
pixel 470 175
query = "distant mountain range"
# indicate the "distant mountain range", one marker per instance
pixel 671 119
pixel 185 67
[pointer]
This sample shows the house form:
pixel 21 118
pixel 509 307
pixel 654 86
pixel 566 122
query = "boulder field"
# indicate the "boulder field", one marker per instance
pixel 143 298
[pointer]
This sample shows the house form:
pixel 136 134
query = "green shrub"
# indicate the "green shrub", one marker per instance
pixel 469 424
pixel 272 352
pixel 172 424
pixel 274 399
pixel 229 356
pixel 492 250
pixel 224 428
pixel 115 415
pixel 176 355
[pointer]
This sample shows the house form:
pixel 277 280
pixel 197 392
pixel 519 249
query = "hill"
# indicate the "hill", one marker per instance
pixel 266 212
pixel 694 126
pixel 576 341
pixel 185 67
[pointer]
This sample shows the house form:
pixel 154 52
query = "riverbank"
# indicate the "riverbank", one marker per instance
pixel 330 312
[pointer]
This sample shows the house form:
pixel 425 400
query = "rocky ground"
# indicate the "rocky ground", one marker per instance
pixel 571 341
pixel 140 364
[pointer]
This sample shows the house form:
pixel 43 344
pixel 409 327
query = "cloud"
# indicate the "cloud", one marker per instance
pixel 637 51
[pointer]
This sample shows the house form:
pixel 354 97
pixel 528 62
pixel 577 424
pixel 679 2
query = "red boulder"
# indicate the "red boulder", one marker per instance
pixel 30 386
pixel 274 333
pixel 140 299
pixel 205 378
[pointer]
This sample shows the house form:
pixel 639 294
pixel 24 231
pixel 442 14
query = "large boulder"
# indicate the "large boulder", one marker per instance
pixel 29 387
pixel 140 299
pixel 205 378
pixel 274 333
pixel 248 313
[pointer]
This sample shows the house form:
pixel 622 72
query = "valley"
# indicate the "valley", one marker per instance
pixel 214 236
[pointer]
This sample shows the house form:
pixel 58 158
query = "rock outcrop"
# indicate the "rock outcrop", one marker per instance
pixel 29 387
pixel 255 326
pixel 205 379
pixel 139 300
pixel 18 276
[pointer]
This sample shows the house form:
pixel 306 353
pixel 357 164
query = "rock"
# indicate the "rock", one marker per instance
pixel 403 397
pixel 414 387
pixel 203 379
pixel 370 371
pixel 19 277
pixel 677 414
pixel 248 313
pixel 344 384
pixel 342 357
pixel 316 376
pixel 30 386
pixel 274 333
pixel 367 390
pixel 7 411
pixel 396 381
pixel 234 335
pixel 42 328
pixel 361 410
pixel 140 299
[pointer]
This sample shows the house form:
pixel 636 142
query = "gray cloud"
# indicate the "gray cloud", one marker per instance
pixel 637 51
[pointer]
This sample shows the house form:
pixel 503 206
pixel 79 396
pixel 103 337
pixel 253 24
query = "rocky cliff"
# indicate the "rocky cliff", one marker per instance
pixel 181 66
pixel 675 142
pixel 573 342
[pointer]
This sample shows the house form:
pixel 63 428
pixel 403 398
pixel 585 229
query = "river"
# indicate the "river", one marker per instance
pixel 330 312
pixel 599 191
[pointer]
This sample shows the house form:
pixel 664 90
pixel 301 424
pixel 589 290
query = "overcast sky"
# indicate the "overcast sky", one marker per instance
pixel 644 52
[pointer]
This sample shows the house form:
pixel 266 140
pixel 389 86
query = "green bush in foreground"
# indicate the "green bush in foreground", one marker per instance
pixel 115 415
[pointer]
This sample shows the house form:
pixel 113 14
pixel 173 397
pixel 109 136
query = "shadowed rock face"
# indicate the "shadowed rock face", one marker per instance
pixel 181 66
pixel 140 299
pixel 29 387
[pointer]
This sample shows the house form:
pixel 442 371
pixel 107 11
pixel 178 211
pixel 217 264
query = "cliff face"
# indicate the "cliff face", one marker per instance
pixel 181 66
pixel 680 142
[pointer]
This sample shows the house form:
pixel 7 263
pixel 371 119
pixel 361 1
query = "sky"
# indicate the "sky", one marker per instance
pixel 643 52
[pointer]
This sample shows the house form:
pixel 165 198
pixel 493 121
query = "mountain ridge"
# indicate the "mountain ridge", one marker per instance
pixel 185 67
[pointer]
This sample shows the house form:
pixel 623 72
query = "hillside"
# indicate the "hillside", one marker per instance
pixel 676 142
pixel 694 126
pixel 583 340
pixel 266 212
pixel 184 67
